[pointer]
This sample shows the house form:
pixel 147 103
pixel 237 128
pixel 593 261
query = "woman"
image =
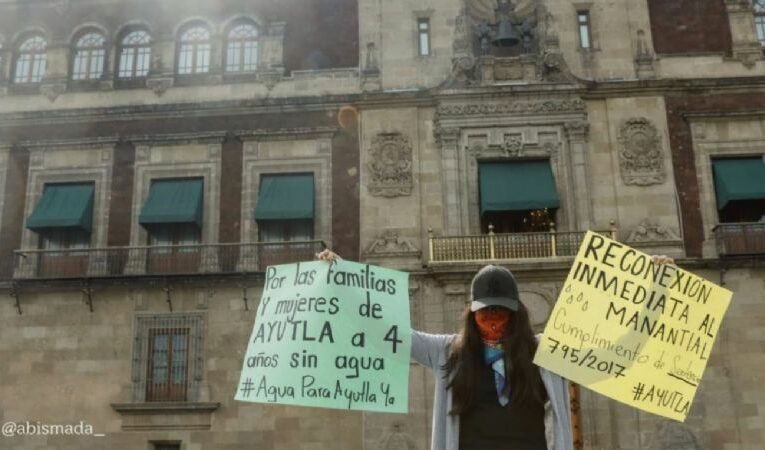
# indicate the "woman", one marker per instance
pixel 488 394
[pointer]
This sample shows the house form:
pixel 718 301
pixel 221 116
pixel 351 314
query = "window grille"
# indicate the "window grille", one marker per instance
pixel 89 54
pixel 31 61
pixel 759 20
pixel 585 29
pixel 134 55
pixel 242 49
pixel 167 357
pixel 423 36
pixel 194 51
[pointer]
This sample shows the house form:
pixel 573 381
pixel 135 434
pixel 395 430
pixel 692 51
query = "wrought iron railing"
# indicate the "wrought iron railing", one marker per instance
pixel 738 239
pixel 160 260
pixel 494 246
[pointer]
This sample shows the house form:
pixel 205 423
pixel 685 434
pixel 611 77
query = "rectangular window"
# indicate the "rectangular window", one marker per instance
pixel 168 365
pixel 167 357
pixel 423 36
pixel 585 29
pixel 166 446
pixel 759 22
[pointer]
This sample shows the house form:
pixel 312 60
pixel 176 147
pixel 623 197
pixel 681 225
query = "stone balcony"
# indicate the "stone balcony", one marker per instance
pixel 506 246
pixel 160 260
pixel 740 239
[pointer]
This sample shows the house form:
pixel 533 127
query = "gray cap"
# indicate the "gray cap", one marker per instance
pixel 494 286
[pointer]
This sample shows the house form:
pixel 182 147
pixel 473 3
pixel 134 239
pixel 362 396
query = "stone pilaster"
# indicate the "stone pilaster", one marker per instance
pixel 577 134
pixel 448 141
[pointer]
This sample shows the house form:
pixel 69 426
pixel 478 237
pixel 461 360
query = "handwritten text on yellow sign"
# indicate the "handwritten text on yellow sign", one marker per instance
pixel 633 330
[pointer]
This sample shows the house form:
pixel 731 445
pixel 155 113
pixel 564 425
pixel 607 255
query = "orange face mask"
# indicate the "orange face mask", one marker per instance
pixel 492 322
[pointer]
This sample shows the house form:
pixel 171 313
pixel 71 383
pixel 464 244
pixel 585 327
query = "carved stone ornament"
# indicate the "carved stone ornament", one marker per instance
pixel 641 157
pixel 52 90
pixel 650 231
pixel 390 166
pixel 549 106
pixel 396 439
pixel 390 244
pixel 159 85
pixel 577 129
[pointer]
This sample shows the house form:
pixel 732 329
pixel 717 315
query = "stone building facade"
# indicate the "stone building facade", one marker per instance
pixel 395 112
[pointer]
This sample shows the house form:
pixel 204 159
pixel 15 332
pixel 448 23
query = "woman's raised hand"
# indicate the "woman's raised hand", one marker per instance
pixel 662 259
pixel 328 255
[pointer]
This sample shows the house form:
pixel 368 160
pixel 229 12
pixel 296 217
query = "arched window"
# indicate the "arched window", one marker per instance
pixel 242 48
pixel 194 51
pixel 134 55
pixel 89 55
pixel 31 60
pixel 759 20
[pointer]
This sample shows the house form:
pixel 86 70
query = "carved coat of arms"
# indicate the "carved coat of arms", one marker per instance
pixel 390 165
pixel 641 157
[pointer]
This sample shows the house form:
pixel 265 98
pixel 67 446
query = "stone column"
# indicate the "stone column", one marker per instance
pixel 448 141
pixel 577 133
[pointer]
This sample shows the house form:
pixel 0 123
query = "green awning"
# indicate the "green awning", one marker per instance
pixel 285 197
pixel 173 201
pixel 517 186
pixel 739 179
pixel 64 206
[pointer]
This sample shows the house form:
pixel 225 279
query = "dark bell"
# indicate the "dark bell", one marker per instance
pixel 506 35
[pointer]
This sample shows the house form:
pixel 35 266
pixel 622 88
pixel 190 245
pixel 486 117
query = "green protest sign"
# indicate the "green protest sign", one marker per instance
pixel 330 335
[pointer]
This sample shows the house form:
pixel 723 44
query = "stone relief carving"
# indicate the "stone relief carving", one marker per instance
pixel 512 146
pixel 52 90
pixel 548 106
pixel 390 166
pixel 396 439
pixel 159 85
pixel 650 231
pixel 536 56
pixel 577 129
pixel 390 244
pixel 644 57
pixel 675 436
pixel 641 157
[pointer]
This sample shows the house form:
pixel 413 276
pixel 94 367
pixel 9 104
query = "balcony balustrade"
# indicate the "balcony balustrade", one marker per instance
pixel 506 246
pixel 160 260
pixel 740 239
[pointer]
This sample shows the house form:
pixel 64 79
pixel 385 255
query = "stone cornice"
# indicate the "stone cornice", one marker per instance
pixel 426 97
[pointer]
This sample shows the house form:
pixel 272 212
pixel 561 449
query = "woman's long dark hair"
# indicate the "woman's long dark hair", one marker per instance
pixel 466 362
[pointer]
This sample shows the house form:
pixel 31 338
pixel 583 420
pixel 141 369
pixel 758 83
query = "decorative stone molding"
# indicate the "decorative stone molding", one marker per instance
pixel 52 90
pixel 641 157
pixel 746 47
pixel 159 84
pixel 396 439
pixel 548 106
pixel 578 129
pixel 390 166
pixel 644 57
pixel 463 61
pixel 270 78
pixel 390 244
pixel 446 134
pixel 513 146
pixel 650 231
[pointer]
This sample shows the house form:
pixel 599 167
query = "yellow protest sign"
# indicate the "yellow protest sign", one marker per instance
pixel 635 331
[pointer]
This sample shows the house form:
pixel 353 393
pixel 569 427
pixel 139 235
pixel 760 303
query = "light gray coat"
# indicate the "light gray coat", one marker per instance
pixel 432 350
